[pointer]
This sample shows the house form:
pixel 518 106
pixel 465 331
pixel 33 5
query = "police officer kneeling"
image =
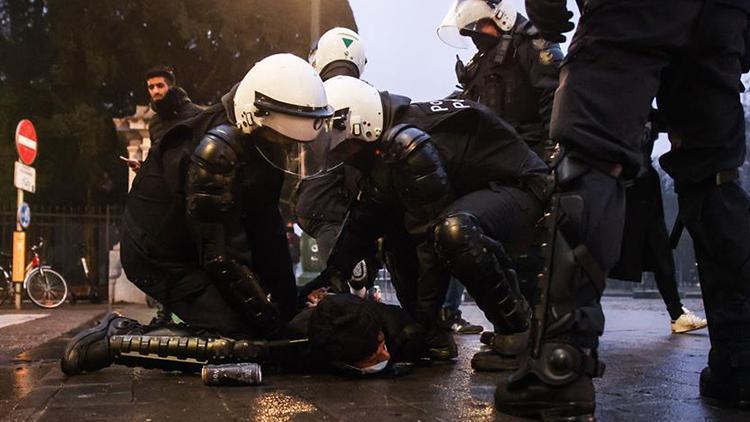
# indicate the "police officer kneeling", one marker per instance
pixel 202 231
pixel 464 185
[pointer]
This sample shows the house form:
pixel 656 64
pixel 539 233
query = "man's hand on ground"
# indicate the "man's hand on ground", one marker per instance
pixel 316 296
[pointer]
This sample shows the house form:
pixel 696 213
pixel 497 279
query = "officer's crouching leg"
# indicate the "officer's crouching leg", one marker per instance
pixel 483 266
pixel 584 223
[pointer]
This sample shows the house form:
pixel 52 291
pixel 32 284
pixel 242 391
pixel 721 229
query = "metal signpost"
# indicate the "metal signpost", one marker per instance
pixel 24 178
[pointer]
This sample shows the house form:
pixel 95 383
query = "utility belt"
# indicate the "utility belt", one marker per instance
pixel 718 179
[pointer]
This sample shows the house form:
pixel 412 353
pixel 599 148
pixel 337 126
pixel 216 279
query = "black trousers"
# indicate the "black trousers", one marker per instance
pixel 507 215
pixel 686 54
pixel 187 290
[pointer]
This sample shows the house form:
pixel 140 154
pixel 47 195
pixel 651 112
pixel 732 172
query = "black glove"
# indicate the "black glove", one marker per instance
pixel 551 17
pixel 460 70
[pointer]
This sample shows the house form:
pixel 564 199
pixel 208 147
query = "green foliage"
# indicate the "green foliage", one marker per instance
pixel 72 65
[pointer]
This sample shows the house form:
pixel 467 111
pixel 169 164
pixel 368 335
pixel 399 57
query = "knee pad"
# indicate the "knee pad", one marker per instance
pixel 460 241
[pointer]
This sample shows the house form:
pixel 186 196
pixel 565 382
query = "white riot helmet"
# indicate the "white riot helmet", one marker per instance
pixel 337 45
pixel 464 15
pixel 284 96
pixel 358 110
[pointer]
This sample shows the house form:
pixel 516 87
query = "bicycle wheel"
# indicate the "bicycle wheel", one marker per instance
pixel 6 290
pixel 47 288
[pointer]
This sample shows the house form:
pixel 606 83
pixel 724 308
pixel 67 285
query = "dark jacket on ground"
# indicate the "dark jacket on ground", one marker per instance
pixel 403 337
pixel 174 108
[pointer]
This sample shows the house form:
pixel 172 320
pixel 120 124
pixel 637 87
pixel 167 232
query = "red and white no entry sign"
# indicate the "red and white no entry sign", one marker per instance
pixel 26 141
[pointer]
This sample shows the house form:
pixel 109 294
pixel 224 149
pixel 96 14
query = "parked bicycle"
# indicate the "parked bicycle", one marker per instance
pixel 44 286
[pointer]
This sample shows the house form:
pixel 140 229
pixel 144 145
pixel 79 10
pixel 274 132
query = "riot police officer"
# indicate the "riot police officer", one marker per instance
pixel 321 203
pixel 514 72
pixel 202 231
pixel 461 182
pixel 689 55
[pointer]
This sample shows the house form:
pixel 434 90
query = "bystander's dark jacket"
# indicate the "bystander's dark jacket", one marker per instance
pixel 174 108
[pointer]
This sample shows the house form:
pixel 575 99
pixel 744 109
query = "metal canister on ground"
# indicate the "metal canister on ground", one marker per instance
pixel 244 373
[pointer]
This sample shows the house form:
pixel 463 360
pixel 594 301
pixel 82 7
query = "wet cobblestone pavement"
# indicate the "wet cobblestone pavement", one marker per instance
pixel 651 375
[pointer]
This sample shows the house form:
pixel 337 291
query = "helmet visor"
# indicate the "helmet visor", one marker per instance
pixel 462 18
pixel 304 160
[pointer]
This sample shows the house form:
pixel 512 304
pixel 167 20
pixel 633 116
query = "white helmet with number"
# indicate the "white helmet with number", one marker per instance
pixel 338 44
pixel 358 110
pixel 283 99
pixel 464 15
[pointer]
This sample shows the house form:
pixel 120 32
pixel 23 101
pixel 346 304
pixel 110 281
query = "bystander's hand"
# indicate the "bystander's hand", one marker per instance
pixel 134 165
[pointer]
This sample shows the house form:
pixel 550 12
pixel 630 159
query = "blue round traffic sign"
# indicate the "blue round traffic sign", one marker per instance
pixel 24 215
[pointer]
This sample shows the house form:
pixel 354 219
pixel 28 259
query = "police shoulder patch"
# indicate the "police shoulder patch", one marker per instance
pixel 443 106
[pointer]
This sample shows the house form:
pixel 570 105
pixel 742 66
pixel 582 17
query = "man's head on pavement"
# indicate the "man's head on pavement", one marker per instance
pixel 347 331
pixel 158 81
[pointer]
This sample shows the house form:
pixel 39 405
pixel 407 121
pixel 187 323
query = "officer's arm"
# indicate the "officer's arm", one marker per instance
pixel 208 195
pixel 541 59
pixel 364 223
pixel 421 180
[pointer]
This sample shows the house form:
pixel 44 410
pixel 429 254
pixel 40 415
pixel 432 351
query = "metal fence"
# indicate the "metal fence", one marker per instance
pixel 68 234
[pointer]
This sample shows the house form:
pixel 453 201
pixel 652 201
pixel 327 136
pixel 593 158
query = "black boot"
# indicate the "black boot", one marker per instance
pixel 490 361
pixel 554 386
pixel 89 350
pixel 440 345
pixel 451 320
pixel 532 398
pixel 729 390
pixel 163 316
pixel 503 352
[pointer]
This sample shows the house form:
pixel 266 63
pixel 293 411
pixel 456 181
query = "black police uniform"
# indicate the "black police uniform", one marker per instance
pixel 202 219
pixel 516 78
pixel 463 186
pixel 688 55
pixel 174 108
pixel 321 204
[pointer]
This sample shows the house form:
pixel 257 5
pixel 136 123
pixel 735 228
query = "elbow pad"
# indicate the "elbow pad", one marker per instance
pixel 211 173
